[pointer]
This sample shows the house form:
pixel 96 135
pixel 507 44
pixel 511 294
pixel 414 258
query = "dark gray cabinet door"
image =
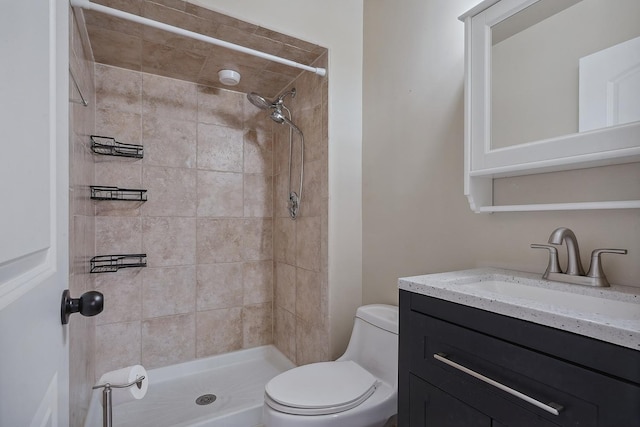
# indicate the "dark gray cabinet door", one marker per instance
pixel 431 407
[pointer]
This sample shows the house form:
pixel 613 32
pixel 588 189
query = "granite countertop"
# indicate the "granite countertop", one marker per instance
pixel 568 307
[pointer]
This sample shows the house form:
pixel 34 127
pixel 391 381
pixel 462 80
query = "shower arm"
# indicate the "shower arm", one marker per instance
pixel 280 100
pixel 86 4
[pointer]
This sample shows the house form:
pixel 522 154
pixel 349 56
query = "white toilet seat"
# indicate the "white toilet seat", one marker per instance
pixel 320 388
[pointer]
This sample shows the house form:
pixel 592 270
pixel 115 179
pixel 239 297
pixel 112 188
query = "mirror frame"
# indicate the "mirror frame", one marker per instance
pixel 601 147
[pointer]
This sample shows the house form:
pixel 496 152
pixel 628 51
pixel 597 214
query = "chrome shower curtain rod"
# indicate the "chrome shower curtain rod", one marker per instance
pixel 86 4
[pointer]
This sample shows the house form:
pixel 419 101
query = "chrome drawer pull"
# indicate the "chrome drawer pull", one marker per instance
pixel 551 407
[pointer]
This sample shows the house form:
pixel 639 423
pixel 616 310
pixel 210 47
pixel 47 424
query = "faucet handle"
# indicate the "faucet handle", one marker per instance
pixel 595 270
pixel 554 265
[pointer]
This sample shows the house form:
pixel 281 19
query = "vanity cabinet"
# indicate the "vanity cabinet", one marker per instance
pixel 587 381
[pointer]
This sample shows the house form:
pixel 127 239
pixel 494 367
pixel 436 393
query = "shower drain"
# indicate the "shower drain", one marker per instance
pixel 206 399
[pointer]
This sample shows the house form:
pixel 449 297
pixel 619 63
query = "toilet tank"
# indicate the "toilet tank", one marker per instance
pixel 374 341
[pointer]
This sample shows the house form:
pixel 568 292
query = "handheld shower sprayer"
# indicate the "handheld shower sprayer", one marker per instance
pixel 278 116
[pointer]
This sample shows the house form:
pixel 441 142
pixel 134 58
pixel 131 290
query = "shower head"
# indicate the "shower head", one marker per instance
pixel 277 106
pixel 259 101
pixel 263 104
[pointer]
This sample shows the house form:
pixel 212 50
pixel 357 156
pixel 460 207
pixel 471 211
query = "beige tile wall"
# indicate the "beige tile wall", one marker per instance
pixel 210 227
pixel 207 227
pixel 300 246
pixel 124 44
pixel 81 220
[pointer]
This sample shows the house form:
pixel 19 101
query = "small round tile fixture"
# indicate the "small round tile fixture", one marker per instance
pixel 229 77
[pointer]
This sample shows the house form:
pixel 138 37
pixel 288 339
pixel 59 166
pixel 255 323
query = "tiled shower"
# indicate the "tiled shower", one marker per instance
pixel 227 268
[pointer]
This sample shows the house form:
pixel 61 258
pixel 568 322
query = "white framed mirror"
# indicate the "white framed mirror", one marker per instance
pixel 551 85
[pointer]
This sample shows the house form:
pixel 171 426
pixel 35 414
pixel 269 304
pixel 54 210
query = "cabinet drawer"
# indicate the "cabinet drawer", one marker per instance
pixel 587 398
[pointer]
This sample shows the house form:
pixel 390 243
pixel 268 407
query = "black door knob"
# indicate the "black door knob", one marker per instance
pixel 89 304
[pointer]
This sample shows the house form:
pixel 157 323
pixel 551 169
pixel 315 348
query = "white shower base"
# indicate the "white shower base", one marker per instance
pixel 237 379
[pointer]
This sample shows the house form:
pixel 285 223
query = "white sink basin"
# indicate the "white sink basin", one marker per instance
pixel 565 300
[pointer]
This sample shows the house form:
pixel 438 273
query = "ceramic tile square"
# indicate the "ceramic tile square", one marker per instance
pixel 82 243
pixel 176 41
pixel 122 295
pixel 250 40
pixel 314 188
pixel 112 23
pixel 168 340
pixel 218 18
pixel 123 126
pixel 115 48
pixel 308 243
pixel 131 6
pixel 258 239
pixel 169 241
pixel 219 148
pixel 285 240
pixel 281 150
pixel 285 287
pixel 258 152
pixel 309 90
pixel 117 346
pixel 169 61
pixel 220 194
pixel 314 146
pixel 110 171
pixel 174 4
pixel 257 325
pixel 219 331
pixel 127 174
pixel 117 88
pixel 219 286
pixel 219 240
pixel 257 280
pixel 171 191
pixel 294 54
pixel 118 235
pixel 256 119
pixel 166 97
pixel 281 195
pixel 258 196
pixel 309 302
pixel 169 142
pixel 117 208
pixel 285 333
pixel 220 107
pixel 168 291
pixel 312 343
pixel 174 15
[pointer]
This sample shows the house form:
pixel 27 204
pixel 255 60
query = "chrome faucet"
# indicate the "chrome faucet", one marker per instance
pixel 574 273
pixel 565 235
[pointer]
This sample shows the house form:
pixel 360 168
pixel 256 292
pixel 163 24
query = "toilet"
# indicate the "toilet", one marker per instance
pixel 359 389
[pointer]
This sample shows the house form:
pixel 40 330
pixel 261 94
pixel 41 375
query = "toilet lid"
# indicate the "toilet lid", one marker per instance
pixel 320 388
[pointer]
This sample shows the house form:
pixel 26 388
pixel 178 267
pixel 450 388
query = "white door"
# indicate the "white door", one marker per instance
pixel 33 212
pixel 609 90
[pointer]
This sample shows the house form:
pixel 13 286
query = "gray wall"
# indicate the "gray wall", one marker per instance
pixel 415 217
